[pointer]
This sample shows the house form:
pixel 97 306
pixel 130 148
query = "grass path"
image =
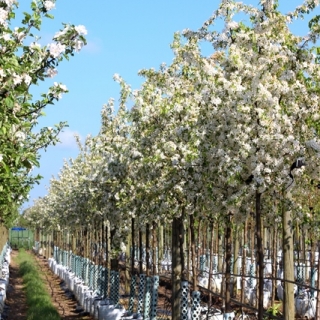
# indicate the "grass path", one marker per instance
pixel 38 299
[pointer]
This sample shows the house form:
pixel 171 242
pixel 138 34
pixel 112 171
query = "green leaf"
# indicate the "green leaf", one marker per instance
pixel 9 102
pixel 27 164
pixel 17 160
pixel 6 168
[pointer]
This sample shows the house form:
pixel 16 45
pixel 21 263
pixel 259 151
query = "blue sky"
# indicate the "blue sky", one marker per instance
pixel 124 36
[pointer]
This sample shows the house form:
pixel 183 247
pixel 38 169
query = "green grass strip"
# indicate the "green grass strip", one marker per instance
pixel 38 299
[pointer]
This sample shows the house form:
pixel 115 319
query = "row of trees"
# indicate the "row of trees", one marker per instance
pixel 210 137
pixel 24 63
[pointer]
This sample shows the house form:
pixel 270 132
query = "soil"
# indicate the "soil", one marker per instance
pixel 16 307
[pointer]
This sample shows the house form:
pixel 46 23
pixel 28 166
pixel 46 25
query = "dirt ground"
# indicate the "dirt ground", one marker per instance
pixel 15 306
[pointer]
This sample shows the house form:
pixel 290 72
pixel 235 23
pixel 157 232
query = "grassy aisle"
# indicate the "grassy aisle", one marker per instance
pixel 38 300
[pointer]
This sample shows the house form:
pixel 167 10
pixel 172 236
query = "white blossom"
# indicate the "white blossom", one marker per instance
pixel 27 79
pixel 52 72
pixel 78 45
pixel 56 49
pixel 3 16
pixel 17 79
pixel 81 29
pixel 49 5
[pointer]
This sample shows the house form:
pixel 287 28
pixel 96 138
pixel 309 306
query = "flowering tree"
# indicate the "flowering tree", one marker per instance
pixel 24 63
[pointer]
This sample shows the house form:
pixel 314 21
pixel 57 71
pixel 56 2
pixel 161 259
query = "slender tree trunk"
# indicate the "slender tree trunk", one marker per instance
pixel 228 244
pixel 216 243
pixel 148 249
pixel 103 240
pixel 177 266
pixel 127 264
pixel 252 242
pixel 314 245
pixel 181 244
pixel 161 242
pixel 193 254
pixel 210 265
pixel 154 246
pixel 140 252
pixel 317 317
pixel 235 260
pixel 132 245
pixel 220 251
pixel 199 245
pixel 288 272
pixel 107 234
pixel 260 258
pixel 243 266
pixel 189 257
pixel 274 262
pixel 85 237
pixel 204 241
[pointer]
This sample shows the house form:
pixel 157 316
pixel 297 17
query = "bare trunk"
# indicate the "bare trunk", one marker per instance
pixel 132 246
pixel 161 242
pixel 107 234
pixel 228 244
pixel 220 251
pixel 210 264
pixel 235 260
pixel 199 245
pixel 154 246
pixel 243 265
pixel 317 317
pixel 189 255
pixel 260 260
pixel 288 272
pixel 148 249
pixel 140 252
pixel 177 266
pixel 274 262
pixel 193 254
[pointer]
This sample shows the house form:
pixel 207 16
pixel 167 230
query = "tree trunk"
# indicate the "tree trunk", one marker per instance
pixel 161 242
pixel 199 247
pixel 220 251
pixel 148 249
pixel 260 260
pixel 235 260
pixel 210 265
pixel 193 254
pixel 317 317
pixel 127 264
pixel 314 245
pixel 243 265
pixel 177 266
pixel 101 249
pixel 140 252
pixel 189 255
pixel 288 272
pixel 132 245
pixel 228 244
pixel 274 262
pixel 107 235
